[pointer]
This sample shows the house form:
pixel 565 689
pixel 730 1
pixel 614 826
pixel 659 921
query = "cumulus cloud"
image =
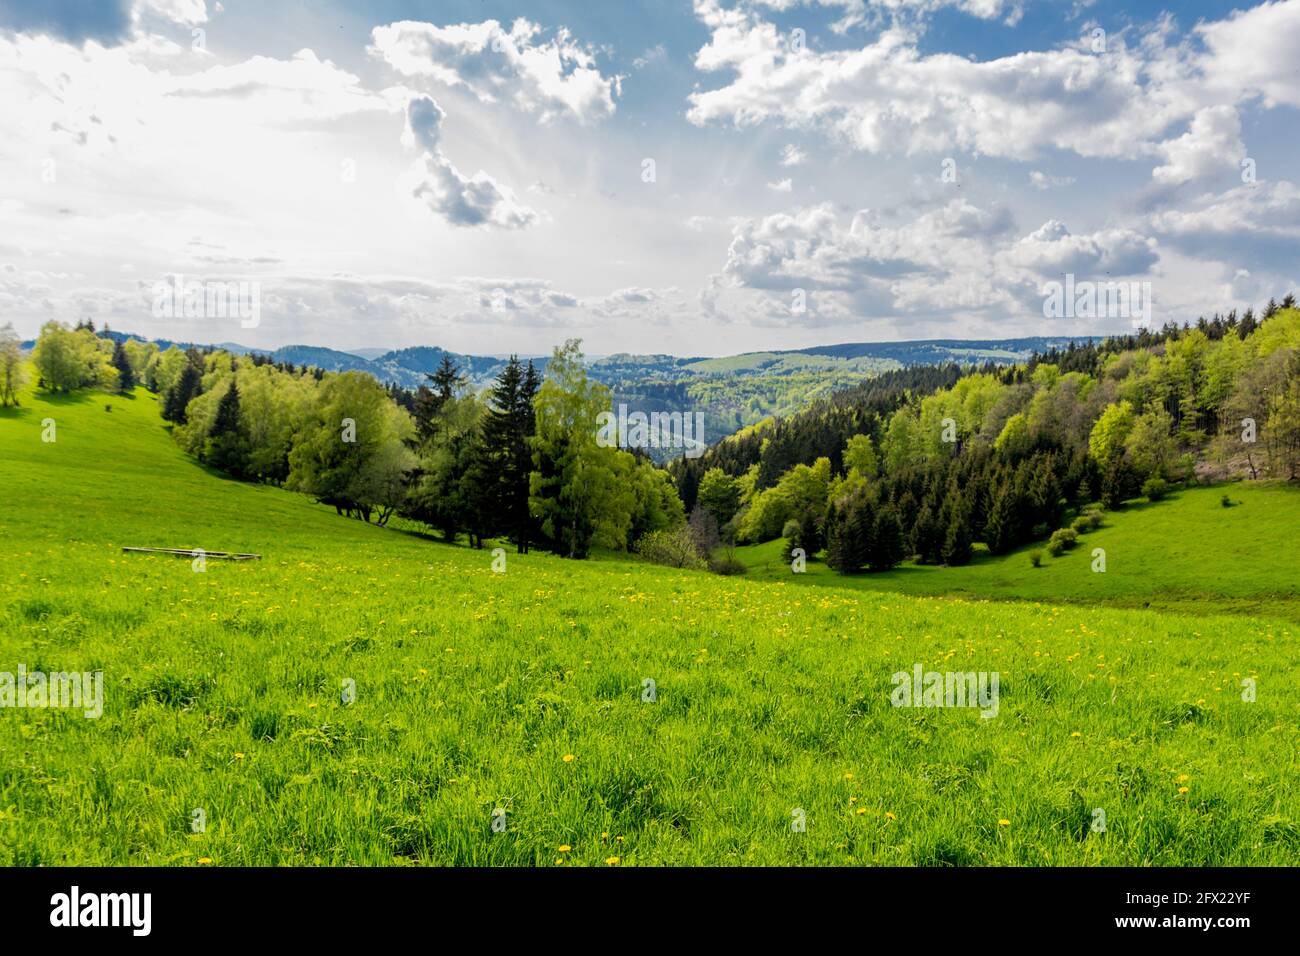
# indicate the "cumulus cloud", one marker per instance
pixel 1249 51
pixel 889 96
pixel 1051 250
pixel 1256 224
pixel 1211 145
pixel 477 200
pixel 781 185
pixel 553 78
pixel 953 258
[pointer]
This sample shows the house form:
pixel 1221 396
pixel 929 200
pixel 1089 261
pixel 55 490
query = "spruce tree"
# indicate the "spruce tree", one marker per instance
pixel 958 537
pixel 227 448
pixel 125 374
pixel 886 545
pixel 999 531
pixel 188 385
pixel 926 540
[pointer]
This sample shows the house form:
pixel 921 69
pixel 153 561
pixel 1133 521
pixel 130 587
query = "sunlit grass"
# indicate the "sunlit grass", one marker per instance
pixel 224 693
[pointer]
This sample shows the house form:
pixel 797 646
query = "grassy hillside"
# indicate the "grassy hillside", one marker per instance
pixel 524 691
pixel 1186 553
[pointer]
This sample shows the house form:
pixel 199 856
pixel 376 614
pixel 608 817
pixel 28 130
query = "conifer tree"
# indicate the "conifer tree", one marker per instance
pixel 125 374
pixel 188 385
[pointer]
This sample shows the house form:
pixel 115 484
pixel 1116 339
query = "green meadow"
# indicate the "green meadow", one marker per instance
pixel 524 698
pixel 1185 553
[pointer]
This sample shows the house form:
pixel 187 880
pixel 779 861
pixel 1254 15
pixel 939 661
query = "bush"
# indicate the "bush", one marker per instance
pixel 1065 538
pixel 674 547
pixel 1155 489
pixel 1054 547
pixel 1081 525
pixel 727 565
pixel 1036 558
pixel 1225 501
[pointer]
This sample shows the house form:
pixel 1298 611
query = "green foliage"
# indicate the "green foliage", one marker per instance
pixel 720 494
pixel 1154 489
pixel 352 452
pixel 1107 438
pixel 70 359
pixel 575 489
pixel 13 370
pixel 1067 538
pixel 672 547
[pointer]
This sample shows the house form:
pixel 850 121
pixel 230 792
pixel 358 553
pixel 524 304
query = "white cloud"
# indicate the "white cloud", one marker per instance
pixel 792 155
pixel 781 186
pixel 1250 51
pixel 652 55
pixel 478 200
pixel 1211 145
pixel 1052 251
pixel 890 97
pixel 555 78
pixel 954 259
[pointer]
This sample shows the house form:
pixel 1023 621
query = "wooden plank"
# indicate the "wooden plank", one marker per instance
pixel 195 552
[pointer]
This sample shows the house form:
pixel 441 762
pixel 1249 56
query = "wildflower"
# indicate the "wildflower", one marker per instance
pixel 564 848
pixel 205 860
pixel 890 816
pixel 611 861
pixel 1004 823
pixel 567 758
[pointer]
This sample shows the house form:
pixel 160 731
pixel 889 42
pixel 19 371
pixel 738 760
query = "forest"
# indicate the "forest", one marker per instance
pixel 921 462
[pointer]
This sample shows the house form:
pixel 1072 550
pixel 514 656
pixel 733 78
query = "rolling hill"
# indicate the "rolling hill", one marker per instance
pixel 609 713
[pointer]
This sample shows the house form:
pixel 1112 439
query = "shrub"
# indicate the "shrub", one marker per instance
pixel 1155 489
pixel 1036 558
pixel 674 547
pixel 1054 547
pixel 1081 525
pixel 1066 538
pixel 1225 501
pixel 727 565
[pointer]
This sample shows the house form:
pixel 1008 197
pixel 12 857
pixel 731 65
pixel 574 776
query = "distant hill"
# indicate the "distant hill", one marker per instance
pixel 732 391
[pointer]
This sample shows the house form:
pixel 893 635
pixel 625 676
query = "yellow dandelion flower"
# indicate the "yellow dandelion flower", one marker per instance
pixel 861 810
pixel 239 756
pixel 890 816
pixel 564 848
pixel 205 860
pixel 567 758
pixel 1076 734
pixel 1004 823
pixel 1182 789
pixel 611 861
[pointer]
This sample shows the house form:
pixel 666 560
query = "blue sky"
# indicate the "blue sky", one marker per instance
pixel 477 175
